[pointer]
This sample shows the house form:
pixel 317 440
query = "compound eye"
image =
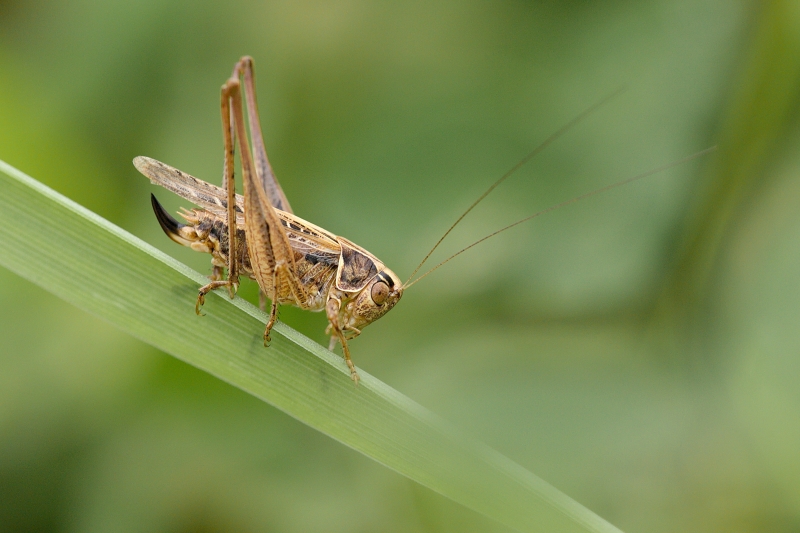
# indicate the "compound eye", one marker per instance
pixel 380 291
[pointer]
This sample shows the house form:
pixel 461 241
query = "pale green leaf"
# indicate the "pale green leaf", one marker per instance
pixel 107 272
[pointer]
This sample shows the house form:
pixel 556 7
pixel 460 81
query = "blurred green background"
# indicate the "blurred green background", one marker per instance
pixel 639 350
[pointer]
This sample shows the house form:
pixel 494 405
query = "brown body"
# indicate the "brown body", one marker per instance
pixel 324 262
pixel 293 261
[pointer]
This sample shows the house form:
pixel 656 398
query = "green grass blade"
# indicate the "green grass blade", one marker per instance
pixel 104 270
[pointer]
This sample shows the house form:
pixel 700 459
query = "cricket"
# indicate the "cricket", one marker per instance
pixel 294 262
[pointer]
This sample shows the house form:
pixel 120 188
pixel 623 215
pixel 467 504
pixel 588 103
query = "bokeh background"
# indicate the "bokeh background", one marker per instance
pixel 639 350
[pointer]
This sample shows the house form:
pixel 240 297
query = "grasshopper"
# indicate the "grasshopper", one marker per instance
pixel 292 260
pixel 257 234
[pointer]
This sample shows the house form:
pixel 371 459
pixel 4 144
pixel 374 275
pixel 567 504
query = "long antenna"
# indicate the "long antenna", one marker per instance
pixel 562 204
pixel 547 142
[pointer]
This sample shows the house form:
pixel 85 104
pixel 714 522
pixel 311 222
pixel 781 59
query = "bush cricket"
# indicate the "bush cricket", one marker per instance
pixel 294 261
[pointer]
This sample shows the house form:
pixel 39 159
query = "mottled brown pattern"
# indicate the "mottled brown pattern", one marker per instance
pixel 355 269
pixel 315 267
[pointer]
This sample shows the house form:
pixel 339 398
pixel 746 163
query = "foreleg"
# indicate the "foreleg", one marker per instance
pixel 332 308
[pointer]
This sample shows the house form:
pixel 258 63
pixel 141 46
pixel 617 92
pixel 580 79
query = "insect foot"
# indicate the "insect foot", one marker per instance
pixel 205 289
